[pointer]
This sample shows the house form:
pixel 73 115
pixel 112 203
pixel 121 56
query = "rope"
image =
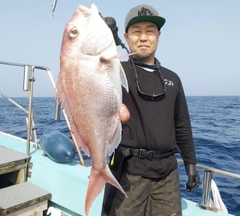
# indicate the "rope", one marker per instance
pixel 217 202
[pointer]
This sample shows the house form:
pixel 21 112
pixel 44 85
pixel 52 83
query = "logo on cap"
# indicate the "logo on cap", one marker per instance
pixel 144 12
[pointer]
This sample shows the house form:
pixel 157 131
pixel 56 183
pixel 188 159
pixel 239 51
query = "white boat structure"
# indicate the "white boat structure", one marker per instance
pixel 32 184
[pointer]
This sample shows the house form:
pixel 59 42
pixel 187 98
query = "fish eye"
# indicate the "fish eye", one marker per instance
pixel 74 32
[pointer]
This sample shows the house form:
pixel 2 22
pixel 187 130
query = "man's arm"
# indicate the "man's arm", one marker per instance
pixel 184 140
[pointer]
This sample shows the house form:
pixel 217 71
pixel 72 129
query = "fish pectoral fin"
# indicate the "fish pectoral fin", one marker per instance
pixel 105 59
pixel 118 56
pixel 115 139
pixel 123 78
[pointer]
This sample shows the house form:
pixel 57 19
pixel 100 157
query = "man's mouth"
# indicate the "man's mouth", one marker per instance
pixel 143 46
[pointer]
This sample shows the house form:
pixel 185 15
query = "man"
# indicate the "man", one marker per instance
pixel 158 127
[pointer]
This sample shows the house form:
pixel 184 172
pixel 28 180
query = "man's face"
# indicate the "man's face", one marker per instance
pixel 142 39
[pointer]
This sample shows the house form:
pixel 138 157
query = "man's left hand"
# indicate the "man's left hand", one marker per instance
pixel 124 113
pixel 193 177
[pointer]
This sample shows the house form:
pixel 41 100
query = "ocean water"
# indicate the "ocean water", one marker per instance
pixel 216 130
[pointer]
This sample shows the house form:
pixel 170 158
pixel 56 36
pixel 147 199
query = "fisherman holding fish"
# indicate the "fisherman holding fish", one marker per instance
pixel 159 126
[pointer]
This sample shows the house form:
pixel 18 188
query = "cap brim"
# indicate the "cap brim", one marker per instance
pixel 159 21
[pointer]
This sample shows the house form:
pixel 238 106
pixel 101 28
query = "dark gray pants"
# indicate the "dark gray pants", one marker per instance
pixel 147 197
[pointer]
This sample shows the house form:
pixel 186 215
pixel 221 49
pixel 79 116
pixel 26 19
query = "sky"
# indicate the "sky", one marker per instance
pixel 200 41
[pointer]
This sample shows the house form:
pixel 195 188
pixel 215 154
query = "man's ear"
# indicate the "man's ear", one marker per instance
pixel 126 37
pixel 159 33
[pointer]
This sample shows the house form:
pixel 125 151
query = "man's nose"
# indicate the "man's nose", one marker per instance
pixel 143 37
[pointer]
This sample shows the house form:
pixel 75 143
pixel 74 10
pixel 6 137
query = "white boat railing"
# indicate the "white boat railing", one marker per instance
pixel 213 170
pixel 33 134
pixel 28 86
pixel 207 179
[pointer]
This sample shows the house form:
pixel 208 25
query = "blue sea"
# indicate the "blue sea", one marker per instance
pixel 216 130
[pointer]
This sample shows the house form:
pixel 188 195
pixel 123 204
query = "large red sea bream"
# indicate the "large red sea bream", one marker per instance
pixel 89 88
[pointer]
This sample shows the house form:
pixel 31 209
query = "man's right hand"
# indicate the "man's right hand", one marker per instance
pixel 110 21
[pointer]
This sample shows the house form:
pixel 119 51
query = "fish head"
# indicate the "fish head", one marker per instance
pixel 86 33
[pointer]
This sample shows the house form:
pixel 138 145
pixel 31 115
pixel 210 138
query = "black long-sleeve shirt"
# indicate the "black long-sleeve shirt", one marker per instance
pixel 156 125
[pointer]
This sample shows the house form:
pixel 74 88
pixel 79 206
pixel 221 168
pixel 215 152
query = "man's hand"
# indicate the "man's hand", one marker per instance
pixel 110 21
pixel 124 113
pixel 193 177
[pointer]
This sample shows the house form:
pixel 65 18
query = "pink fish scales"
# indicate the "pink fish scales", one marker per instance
pixel 89 87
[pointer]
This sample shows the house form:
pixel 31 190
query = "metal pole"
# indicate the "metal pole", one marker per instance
pixel 30 118
pixel 207 179
pixel 57 110
pixel 13 102
pixel 27 74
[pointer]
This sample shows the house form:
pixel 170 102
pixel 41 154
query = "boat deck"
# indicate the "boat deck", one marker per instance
pixel 68 182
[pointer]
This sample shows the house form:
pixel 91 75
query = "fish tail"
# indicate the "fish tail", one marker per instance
pixel 97 182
